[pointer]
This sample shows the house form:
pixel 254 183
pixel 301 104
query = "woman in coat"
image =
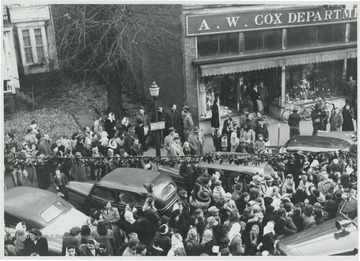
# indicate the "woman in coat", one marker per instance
pixel 348 124
pixel 215 117
pixel 336 120
pixel 268 239
pixel 40 244
pixel 103 235
pixel 110 125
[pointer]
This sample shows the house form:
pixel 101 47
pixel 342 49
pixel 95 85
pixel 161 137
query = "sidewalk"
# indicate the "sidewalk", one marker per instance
pixel 305 129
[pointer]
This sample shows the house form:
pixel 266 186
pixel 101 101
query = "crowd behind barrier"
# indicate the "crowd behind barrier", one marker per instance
pixel 214 215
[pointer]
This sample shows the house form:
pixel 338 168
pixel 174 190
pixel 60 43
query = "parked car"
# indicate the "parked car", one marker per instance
pixel 121 187
pixel 322 142
pixel 246 172
pixel 338 236
pixel 43 210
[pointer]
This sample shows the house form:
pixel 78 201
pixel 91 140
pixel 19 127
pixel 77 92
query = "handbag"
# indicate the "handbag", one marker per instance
pixel 260 105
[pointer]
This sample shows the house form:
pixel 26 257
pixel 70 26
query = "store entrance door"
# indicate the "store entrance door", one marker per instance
pixel 269 81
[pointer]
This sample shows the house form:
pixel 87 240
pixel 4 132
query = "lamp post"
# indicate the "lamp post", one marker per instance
pixel 154 92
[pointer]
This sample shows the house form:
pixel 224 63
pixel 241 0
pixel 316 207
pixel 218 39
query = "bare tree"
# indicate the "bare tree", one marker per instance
pixel 109 40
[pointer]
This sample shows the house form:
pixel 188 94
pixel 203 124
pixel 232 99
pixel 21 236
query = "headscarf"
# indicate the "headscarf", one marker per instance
pixel 129 215
pixel 192 235
pixel 269 228
pixel 207 236
pixel 175 244
pixel 234 231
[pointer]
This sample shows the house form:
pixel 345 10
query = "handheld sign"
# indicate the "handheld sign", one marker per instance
pixel 157 125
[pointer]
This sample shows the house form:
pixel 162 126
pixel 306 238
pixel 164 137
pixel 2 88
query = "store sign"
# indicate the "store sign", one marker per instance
pixel 157 125
pixel 266 19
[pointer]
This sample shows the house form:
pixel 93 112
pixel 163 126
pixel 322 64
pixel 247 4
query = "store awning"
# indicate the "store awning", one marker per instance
pixel 265 63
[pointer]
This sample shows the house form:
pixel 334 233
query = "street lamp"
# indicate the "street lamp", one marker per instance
pixel 154 92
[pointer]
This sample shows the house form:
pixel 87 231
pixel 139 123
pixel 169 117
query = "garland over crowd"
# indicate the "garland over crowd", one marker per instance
pixel 215 215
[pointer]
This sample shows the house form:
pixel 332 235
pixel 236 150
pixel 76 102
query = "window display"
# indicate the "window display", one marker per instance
pixel 308 82
pixel 224 87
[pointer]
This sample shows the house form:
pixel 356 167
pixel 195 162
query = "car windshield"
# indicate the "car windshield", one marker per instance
pixel 318 142
pixel 53 211
pixel 349 209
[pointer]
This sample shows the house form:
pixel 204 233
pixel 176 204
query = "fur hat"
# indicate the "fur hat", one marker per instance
pixel 112 144
pixel 203 196
pixel 164 229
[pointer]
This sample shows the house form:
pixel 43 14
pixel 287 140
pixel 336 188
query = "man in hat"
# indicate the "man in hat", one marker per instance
pixel 145 119
pixel 188 122
pixel 294 122
pixel 261 128
pixel 196 142
pixel 173 118
pixel 169 139
pixel 175 148
pixel 189 172
pixel 140 132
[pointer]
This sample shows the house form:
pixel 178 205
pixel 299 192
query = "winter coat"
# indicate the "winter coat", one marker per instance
pixel 109 127
pixel 173 119
pixel 261 130
pixel 215 116
pixel 336 121
pixel 217 143
pixel 285 226
pixel 348 124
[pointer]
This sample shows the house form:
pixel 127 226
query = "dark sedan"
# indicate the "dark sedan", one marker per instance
pixel 123 186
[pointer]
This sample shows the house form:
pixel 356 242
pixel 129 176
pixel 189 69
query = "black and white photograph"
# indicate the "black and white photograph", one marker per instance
pixel 179 129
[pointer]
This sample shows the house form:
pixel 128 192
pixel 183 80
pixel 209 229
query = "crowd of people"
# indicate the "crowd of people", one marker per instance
pixel 106 138
pixel 214 214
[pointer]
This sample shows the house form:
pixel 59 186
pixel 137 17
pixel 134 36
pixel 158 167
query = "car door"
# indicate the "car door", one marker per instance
pixel 100 195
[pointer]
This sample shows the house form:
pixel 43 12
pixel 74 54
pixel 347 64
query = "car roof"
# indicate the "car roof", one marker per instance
pixel 319 240
pixel 317 143
pixel 344 135
pixel 251 168
pixel 129 179
pixel 27 202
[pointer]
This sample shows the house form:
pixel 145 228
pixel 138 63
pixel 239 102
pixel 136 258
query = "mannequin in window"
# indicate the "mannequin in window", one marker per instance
pixel 202 97
pixel 225 90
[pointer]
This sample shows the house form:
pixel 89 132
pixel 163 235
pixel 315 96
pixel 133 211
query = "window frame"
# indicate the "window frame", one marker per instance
pixel 34 46
pixel 93 195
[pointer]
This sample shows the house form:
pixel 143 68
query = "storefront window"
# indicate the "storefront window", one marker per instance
pixel 224 87
pixel 353 32
pixel 229 44
pixel 208 45
pixel 253 41
pixel 311 81
pixel 218 45
pixel 300 37
pixel 331 34
pixel 259 41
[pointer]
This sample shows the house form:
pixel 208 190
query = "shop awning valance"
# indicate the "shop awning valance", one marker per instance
pixel 264 63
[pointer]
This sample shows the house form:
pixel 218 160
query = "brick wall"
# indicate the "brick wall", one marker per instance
pixel 164 65
pixel 190 81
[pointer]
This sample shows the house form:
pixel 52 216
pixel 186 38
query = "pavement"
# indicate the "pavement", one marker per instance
pixel 276 129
